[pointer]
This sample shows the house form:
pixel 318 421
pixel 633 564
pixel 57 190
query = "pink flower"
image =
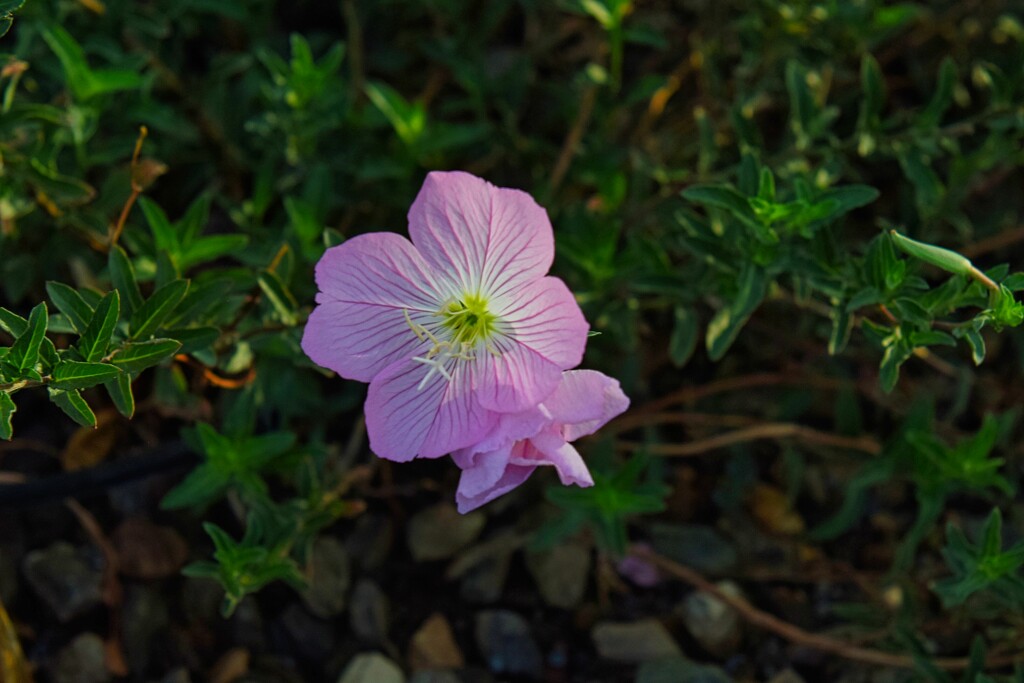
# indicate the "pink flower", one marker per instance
pixel 583 402
pixel 453 329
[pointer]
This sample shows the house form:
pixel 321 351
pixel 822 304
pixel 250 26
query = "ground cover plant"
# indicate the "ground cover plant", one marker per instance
pixel 787 235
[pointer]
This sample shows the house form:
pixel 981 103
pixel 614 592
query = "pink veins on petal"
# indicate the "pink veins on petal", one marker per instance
pixel 452 329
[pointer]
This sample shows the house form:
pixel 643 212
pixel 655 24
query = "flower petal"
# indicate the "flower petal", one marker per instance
pixel 472 492
pixel 359 340
pixel 509 428
pixel 584 401
pixel 492 240
pixel 516 379
pixel 549 448
pixel 460 419
pixel 368 286
pixel 545 318
pixel 399 414
pixel 378 268
pixel 486 471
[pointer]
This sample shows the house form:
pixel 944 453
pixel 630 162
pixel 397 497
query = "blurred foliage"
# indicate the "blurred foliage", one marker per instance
pixel 801 176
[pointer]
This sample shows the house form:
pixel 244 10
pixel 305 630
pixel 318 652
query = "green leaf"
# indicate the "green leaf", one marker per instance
pixel 12 323
pixel 683 341
pixel 137 356
pixel 120 391
pixel 727 323
pixel 122 275
pixel 193 338
pixel 85 82
pixel 72 403
pixel 280 298
pixel 7 9
pixel 203 485
pixel 7 409
pixel 213 247
pixel 70 374
pixel 972 335
pixel 722 197
pixel 164 235
pixel 69 302
pixel 24 353
pixel 842 324
pixel 95 340
pixel 943 96
pixel 804 114
pixel 872 85
pixel 408 119
pixel 147 318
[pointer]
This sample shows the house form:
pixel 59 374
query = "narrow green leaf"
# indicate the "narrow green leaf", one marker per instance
pixel 212 247
pixel 72 403
pixel 193 338
pixel 7 409
pixel 943 96
pixel 69 302
pixel 120 391
pixel 122 275
pixel 71 374
pixel 683 341
pixel 280 298
pixel 164 234
pixel 12 323
pixel 95 340
pixel 137 356
pixel 147 318
pixel 203 485
pixel 842 324
pixel 24 353
pixel 727 323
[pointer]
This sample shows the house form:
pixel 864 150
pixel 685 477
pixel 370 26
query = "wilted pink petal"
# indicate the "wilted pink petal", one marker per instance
pixel 584 401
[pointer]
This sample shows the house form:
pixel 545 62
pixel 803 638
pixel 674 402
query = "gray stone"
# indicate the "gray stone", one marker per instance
pixel 438 532
pixel 711 622
pixel 82 661
pixel 330 576
pixel 787 676
pixel 313 638
pixel 636 641
pixel 485 582
pixel 506 643
pixel 201 600
pixel 679 670
pixel 561 573
pixel 372 668
pixel 68 579
pixel 247 627
pixel 433 646
pixel 699 547
pixel 145 616
pixel 370 613
pixel 435 676
pixel 179 675
pixel 370 541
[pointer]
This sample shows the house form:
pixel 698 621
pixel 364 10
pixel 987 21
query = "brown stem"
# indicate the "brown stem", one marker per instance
pixel 798 636
pixel 116 231
pixel 764 379
pixel 770 430
pixel 573 138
